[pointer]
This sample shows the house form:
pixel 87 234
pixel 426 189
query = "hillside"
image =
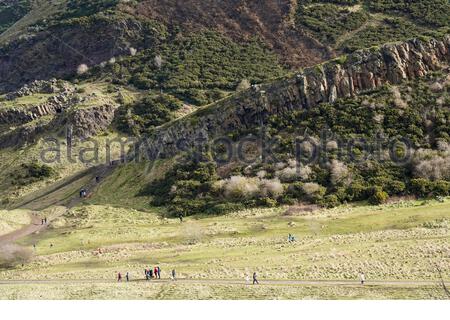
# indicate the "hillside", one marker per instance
pixel 206 131
pixel 51 39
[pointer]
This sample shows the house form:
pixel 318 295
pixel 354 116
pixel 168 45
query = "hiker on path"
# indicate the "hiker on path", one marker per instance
pixel 181 218
pixel 174 276
pixel 42 222
pixel 127 276
pixel 146 274
pixel 119 277
pixel 159 272
pixel 150 273
pixel 255 278
pixel 362 277
pixel 155 271
pixel 45 220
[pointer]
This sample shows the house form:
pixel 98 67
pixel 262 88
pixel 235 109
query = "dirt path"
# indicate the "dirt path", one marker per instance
pixel 401 283
pixel 377 19
pixel 36 224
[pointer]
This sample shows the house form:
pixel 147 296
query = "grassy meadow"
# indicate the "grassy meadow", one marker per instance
pixel 80 254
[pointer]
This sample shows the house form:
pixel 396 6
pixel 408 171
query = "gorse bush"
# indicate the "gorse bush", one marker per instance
pixel 205 60
pixel 434 12
pixel 32 172
pixel 147 113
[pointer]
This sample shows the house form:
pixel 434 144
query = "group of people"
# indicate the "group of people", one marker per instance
pixel 153 273
pixel 291 238
pixel 83 193
pixel 44 221
pixel 150 273
pixel 119 277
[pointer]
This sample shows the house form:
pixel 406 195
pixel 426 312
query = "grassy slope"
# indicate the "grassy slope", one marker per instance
pixel 13 220
pixel 345 27
pixel 389 242
pixel 41 10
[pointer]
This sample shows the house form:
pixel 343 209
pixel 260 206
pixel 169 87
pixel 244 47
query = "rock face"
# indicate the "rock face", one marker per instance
pixel 41 86
pixel 54 105
pixel 88 122
pixel 363 70
pixel 26 123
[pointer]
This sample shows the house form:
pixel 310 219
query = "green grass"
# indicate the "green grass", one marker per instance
pixel 13 220
pixel 398 241
pixel 172 291
pixel 388 242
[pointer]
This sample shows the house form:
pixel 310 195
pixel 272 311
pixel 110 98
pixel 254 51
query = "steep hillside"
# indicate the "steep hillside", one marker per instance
pixel 364 127
pixel 48 39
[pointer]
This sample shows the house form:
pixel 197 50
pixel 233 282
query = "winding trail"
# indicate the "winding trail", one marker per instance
pixel 67 204
pixel 35 226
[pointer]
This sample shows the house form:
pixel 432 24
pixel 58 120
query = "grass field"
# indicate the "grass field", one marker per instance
pixel 93 241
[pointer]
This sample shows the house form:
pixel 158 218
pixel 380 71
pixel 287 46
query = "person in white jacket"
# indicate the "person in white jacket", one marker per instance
pixel 362 277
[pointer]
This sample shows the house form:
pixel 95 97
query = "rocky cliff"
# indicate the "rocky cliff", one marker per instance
pixel 361 71
pixel 25 123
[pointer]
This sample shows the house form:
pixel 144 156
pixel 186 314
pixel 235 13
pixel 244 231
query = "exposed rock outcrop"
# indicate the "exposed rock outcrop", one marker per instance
pixel 41 86
pixel 23 114
pixel 89 122
pixel 363 70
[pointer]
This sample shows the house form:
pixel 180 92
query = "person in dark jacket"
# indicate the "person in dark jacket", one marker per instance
pixel 159 272
pixel 174 276
pixel 255 278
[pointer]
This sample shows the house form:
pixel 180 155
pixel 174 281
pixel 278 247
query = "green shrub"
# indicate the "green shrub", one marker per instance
pixel 223 208
pixel 32 172
pixel 330 201
pixel 441 188
pixel 421 187
pixel 379 197
pixel 267 202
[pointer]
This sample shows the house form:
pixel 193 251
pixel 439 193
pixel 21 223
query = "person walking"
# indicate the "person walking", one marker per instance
pixel 127 276
pixel 362 277
pixel 181 218
pixel 119 277
pixel 255 278
pixel 45 220
pixel 146 274
pixel 155 272
pixel 150 273
pixel 174 276
pixel 159 272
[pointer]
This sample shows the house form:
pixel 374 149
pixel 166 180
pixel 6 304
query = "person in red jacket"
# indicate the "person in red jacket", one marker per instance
pixel 119 277
pixel 155 272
